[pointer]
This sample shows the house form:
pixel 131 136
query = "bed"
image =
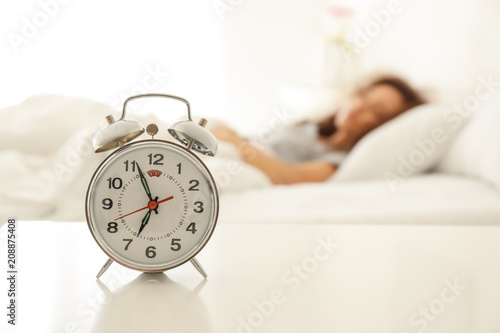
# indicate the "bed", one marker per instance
pixel 402 173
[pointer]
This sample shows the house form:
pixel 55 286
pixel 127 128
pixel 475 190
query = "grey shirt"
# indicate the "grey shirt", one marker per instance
pixel 299 144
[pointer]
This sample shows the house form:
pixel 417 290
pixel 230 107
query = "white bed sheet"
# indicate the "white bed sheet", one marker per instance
pixel 35 190
pixel 431 199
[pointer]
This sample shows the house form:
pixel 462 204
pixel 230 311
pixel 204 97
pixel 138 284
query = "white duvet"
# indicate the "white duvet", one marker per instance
pixel 46 161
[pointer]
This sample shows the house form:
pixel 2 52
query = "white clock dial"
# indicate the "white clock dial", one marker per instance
pixel 152 205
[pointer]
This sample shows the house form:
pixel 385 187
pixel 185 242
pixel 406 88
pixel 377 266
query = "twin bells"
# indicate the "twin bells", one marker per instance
pixel 193 136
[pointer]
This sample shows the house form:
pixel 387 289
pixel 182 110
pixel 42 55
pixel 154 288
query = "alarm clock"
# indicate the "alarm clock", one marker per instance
pixel 152 205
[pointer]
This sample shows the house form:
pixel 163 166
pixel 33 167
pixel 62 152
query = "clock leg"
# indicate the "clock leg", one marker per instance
pixel 104 268
pixel 104 289
pixel 198 267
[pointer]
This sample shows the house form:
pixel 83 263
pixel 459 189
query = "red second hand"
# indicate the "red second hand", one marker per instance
pixel 159 202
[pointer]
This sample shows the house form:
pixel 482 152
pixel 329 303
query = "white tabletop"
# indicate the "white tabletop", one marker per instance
pixel 265 278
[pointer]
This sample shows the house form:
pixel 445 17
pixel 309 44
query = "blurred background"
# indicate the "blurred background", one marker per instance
pixel 242 60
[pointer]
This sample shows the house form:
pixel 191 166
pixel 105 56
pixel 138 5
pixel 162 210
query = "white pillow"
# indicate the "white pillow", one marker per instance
pixel 476 151
pixel 411 143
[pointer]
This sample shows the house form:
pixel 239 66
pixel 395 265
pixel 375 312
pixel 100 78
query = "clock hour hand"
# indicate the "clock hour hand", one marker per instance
pixel 145 185
pixel 144 222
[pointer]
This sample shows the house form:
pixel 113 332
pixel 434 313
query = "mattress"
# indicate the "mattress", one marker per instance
pixel 429 199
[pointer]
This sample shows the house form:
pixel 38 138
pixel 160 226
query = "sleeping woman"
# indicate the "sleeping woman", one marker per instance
pixel 312 151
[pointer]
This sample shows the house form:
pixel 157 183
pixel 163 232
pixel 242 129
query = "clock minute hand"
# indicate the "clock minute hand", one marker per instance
pixel 145 185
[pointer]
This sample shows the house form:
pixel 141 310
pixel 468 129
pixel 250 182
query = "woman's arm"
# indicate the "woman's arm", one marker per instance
pixel 278 171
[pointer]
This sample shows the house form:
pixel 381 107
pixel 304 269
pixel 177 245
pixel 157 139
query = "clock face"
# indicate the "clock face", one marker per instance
pixel 152 205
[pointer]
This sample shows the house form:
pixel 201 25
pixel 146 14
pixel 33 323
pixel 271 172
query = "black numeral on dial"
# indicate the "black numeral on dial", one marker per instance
pixel 179 168
pixel 112 227
pixel 191 227
pixel 115 183
pixel 199 207
pixel 131 164
pixel 107 203
pixel 194 184
pixel 150 252
pixel 128 240
pixel 176 246
pixel 158 159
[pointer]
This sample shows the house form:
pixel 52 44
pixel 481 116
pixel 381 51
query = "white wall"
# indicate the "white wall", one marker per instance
pixel 233 60
pixel 106 50
pixel 439 45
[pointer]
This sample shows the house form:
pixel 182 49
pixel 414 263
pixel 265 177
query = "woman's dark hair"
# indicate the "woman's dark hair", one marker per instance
pixel 411 97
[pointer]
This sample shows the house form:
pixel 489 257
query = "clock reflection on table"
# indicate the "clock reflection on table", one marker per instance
pixel 152 302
